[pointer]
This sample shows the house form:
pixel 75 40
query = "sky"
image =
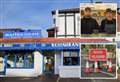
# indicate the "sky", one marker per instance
pixel 34 14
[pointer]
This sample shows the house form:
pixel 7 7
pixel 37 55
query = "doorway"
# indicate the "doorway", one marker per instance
pixel 49 63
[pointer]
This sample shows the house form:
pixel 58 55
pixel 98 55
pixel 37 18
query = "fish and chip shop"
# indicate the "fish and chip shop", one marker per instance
pixel 30 55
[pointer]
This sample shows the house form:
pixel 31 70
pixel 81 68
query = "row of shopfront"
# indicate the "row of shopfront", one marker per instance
pixel 33 60
pixel 31 57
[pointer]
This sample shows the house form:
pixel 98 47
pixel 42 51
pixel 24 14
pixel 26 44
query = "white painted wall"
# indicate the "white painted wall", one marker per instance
pixel 70 25
pixel 37 70
pixel 61 26
pixel 20 73
pixel 57 62
pixel 38 63
pixel 69 71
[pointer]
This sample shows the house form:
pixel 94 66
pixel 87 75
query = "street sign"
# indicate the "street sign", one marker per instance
pixel 97 54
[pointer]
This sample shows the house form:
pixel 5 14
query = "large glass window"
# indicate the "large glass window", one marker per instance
pixel 71 58
pixel 20 60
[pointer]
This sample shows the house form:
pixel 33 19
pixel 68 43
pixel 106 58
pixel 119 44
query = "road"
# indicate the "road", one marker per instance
pixel 103 71
pixel 52 79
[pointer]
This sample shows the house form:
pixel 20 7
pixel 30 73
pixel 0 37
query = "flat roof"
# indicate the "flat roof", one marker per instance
pixel 70 10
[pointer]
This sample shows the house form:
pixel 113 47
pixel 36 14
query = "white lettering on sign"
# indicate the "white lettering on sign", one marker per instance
pixel 26 34
pixel 98 56
pixel 98 52
pixel 65 44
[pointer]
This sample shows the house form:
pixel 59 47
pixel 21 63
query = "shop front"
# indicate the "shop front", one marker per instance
pixel 27 54
pixel 30 57
pixel 65 60
pixel 34 59
pixel 19 61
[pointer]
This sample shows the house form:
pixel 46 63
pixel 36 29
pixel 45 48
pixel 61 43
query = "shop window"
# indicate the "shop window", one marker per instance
pixel 29 61
pixel 10 61
pixel 71 58
pixel 20 60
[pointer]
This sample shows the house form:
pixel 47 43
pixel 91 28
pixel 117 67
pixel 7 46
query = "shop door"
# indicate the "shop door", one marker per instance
pixel 2 65
pixel 48 65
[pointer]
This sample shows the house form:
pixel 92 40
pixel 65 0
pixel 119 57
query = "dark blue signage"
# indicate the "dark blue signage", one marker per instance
pixel 59 46
pixel 24 34
pixel 39 46
pixel 19 46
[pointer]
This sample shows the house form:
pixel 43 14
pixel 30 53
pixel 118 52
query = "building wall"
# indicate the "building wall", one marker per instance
pixel 69 71
pixel 68 25
pixel 58 62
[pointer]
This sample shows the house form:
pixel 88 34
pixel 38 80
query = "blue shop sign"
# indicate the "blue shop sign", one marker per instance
pixel 39 46
pixel 59 46
pixel 24 34
pixel 19 46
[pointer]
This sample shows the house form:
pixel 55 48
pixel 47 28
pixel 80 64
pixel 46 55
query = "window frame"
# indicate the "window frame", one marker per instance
pixel 23 67
pixel 70 51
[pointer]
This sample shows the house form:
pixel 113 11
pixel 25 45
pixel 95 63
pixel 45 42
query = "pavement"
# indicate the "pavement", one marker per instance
pixel 101 74
pixel 53 79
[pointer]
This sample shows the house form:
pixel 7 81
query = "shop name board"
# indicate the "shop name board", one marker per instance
pixel 60 46
pixel 65 45
pixel 24 34
pixel 97 54
pixel 39 46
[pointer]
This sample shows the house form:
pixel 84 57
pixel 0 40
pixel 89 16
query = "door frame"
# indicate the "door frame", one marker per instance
pixel 44 63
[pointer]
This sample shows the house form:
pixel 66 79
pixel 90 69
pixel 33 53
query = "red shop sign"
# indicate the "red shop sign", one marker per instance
pixel 97 54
